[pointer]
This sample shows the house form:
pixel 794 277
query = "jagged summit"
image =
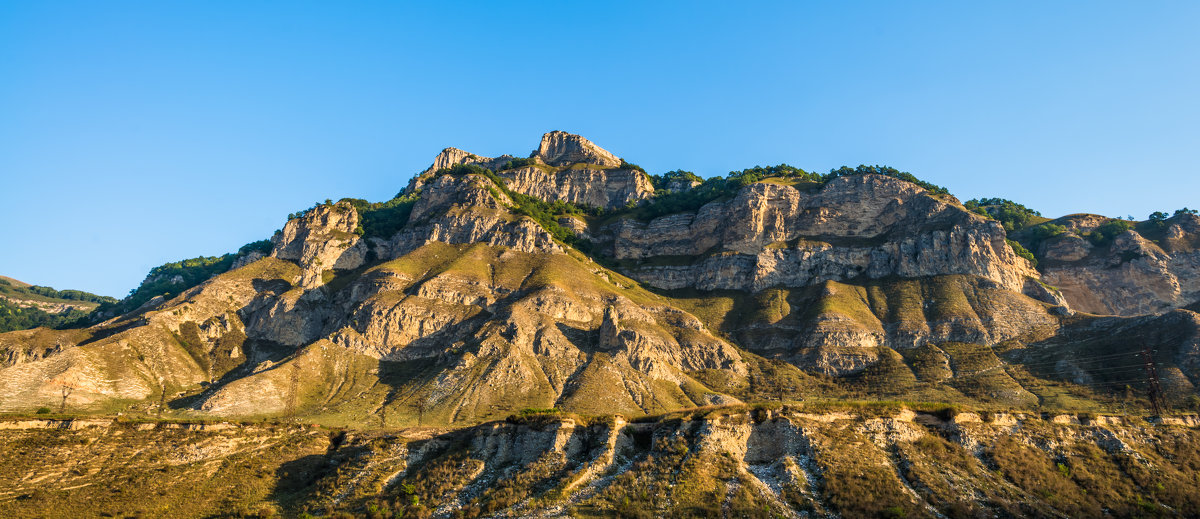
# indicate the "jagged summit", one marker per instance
pixel 557 148
pixel 565 167
pixel 560 148
pixel 453 156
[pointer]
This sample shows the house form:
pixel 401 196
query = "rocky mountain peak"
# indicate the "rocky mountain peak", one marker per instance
pixel 452 156
pixel 561 148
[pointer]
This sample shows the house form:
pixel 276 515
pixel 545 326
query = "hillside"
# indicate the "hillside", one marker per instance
pixel 535 308
pixel 780 461
pixel 24 306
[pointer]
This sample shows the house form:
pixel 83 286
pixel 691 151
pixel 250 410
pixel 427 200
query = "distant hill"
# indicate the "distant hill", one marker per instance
pixel 14 282
pixel 24 306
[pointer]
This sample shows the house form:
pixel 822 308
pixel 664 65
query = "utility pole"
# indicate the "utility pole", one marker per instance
pixel 294 392
pixel 1155 389
pixel 66 392
pixel 65 389
pixel 162 398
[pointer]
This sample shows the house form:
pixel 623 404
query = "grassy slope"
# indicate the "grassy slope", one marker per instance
pixel 688 466
pixel 126 472
pixel 998 377
pixel 19 291
pixel 336 387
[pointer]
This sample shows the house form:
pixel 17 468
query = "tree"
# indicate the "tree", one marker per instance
pixel 1011 215
pixel 1158 217
pixel 66 387
pixel 1185 211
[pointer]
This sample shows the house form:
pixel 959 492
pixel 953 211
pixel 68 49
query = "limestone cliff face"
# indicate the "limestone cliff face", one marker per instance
pixel 1130 276
pixel 860 227
pixel 321 240
pixel 454 156
pixel 579 172
pixel 563 149
pixel 603 188
pixel 466 209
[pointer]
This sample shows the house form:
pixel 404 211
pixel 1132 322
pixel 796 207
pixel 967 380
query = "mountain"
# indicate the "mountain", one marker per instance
pixel 570 293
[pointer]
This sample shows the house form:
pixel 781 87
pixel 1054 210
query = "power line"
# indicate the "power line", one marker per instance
pixel 1152 378
pixel 1086 361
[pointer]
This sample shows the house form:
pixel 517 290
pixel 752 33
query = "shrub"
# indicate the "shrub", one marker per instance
pixel 1032 237
pixel 544 213
pixel 1105 233
pixel 518 163
pixel 43 410
pixel 383 219
pixel 749 176
pixel 1022 251
pixel 170 279
pixel 660 182
pixel 13 317
pixel 1011 215
pixel 630 165
pixel 886 171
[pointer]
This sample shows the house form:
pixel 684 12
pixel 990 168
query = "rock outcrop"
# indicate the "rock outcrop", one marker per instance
pixel 602 188
pixel 465 209
pixel 563 149
pixel 1132 274
pixel 565 167
pixel 453 156
pixel 321 240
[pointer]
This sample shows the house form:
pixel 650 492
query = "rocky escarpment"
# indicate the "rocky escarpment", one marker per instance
pixel 1130 275
pixel 783 462
pixel 321 240
pixel 852 228
pixel 153 353
pixel 453 156
pixel 602 188
pixel 563 149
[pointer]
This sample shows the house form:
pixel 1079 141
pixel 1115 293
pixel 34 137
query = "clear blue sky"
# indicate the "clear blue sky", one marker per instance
pixel 132 134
